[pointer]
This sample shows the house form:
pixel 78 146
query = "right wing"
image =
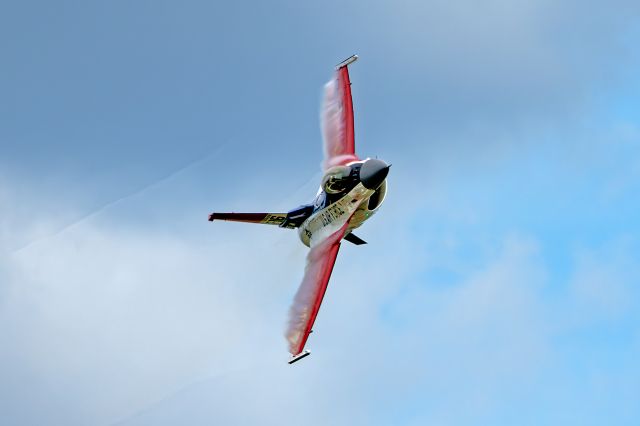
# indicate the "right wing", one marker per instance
pixel 336 118
pixel 265 218
pixel 306 304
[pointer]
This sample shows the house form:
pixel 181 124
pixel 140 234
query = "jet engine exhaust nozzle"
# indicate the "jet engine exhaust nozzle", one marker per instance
pixel 373 172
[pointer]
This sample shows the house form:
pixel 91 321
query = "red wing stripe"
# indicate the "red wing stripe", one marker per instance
pixel 337 121
pixel 308 299
pixel 347 110
pixel 324 283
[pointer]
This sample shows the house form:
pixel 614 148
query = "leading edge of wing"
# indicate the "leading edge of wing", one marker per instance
pixel 307 301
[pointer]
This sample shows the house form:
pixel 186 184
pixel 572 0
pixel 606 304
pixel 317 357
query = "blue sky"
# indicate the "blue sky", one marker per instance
pixel 500 282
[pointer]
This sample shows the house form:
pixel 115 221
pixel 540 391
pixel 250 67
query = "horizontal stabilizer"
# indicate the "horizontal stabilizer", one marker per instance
pixel 351 237
pixel 264 218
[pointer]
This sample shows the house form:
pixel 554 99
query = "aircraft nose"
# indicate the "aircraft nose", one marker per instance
pixel 373 172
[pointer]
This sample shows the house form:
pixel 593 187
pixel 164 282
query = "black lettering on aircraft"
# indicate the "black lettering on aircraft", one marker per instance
pixel 275 219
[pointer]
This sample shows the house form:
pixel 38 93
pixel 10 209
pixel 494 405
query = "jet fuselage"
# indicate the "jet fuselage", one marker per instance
pixel 360 191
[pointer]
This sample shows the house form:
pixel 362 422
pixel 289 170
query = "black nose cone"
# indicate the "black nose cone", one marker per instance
pixel 373 172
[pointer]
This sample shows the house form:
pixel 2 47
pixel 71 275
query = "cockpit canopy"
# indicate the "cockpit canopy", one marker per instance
pixel 339 179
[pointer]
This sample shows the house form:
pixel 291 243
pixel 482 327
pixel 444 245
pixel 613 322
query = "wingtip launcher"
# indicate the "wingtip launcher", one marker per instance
pixel 298 357
pixel 351 59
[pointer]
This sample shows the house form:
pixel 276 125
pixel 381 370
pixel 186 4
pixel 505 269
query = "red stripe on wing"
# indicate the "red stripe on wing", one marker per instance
pixel 347 110
pixel 308 299
pixel 337 121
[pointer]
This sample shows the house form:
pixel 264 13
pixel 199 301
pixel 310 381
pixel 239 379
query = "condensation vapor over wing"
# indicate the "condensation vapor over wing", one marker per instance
pixel 336 118
pixel 306 304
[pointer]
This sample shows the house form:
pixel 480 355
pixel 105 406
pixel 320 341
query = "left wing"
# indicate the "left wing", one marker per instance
pixel 306 304
pixel 265 218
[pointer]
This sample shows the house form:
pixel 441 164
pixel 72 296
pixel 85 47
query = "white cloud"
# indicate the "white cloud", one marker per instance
pixel 108 322
pixel 103 321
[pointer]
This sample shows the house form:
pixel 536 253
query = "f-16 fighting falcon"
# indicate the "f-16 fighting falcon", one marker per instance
pixel 350 192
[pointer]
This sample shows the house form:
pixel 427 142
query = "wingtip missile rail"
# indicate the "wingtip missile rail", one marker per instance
pixel 298 357
pixel 351 59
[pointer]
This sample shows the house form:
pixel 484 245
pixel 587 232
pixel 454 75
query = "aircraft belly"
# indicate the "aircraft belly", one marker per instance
pixel 330 219
pixel 360 215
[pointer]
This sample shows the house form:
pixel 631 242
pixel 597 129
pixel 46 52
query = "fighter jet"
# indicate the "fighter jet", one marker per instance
pixel 351 191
